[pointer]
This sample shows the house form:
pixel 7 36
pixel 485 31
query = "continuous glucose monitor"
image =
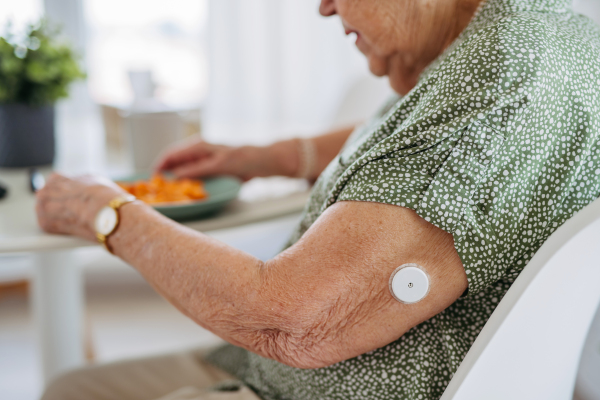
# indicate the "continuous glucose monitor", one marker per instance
pixel 409 283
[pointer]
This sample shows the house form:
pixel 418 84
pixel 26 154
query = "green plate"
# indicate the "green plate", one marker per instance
pixel 221 190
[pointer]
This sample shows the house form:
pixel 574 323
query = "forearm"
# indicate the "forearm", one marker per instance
pixel 219 287
pixel 328 146
pixel 283 157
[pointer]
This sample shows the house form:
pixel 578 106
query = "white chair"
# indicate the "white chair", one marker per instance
pixel 530 347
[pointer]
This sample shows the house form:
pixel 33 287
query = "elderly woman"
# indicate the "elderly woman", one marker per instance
pixel 493 146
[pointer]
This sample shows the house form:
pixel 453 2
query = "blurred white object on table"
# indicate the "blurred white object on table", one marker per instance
pixel 149 134
pixel 141 130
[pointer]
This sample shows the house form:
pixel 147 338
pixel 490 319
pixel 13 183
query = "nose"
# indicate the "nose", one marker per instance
pixel 327 8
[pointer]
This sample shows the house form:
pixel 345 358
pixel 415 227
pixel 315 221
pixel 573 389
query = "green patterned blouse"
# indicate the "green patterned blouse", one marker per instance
pixel 498 145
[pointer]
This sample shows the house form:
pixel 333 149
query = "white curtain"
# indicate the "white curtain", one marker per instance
pixel 279 69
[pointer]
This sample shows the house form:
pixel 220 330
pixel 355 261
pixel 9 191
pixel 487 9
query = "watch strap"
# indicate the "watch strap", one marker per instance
pixel 115 204
pixel 118 201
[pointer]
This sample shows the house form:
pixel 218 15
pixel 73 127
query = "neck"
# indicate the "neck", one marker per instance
pixel 465 11
pixel 462 14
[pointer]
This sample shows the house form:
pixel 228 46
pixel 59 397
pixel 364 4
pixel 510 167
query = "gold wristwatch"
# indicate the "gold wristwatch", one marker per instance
pixel 107 219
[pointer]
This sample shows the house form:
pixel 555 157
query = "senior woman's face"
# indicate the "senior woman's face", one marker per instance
pixel 401 37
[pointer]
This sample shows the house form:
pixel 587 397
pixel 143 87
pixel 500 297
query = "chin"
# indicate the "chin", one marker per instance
pixel 377 67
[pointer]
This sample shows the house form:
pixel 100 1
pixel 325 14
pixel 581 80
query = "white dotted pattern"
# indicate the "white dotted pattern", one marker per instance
pixel 498 145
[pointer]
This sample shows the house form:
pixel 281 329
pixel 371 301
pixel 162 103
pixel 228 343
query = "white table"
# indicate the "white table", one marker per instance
pixel 57 295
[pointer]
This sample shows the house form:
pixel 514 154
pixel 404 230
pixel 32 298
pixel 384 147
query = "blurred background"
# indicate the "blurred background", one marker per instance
pixel 241 71
pixel 233 71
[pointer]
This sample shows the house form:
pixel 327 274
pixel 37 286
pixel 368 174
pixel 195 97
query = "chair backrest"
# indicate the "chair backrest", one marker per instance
pixel 530 346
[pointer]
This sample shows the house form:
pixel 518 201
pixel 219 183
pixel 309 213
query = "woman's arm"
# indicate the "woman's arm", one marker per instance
pixel 327 147
pixel 199 158
pixel 324 300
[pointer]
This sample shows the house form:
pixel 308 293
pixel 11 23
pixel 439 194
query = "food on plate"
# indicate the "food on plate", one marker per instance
pixel 162 190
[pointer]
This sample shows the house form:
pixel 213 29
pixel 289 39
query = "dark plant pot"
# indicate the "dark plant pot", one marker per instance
pixel 26 135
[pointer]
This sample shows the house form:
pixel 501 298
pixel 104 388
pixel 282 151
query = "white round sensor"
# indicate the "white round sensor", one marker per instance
pixel 409 283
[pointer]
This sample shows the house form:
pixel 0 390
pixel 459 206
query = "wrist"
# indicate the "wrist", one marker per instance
pixel 283 157
pixel 249 162
pixel 129 214
pixel 262 161
pixel 98 198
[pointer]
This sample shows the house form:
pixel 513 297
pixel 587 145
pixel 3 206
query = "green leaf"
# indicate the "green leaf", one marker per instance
pixel 36 69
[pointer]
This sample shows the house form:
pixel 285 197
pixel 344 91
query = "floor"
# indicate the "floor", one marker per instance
pixel 127 322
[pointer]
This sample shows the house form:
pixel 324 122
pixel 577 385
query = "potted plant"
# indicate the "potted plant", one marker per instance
pixel 35 71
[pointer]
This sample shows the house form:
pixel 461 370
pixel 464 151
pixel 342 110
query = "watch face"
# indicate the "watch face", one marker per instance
pixel 106 220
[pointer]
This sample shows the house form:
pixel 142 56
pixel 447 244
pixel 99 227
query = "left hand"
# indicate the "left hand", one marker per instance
pixel 69 205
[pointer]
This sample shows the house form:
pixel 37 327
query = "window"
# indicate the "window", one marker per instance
pixel 20 13
pixel 165 37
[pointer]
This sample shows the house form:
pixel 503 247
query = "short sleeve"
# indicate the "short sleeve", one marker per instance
pixel 436 152
pixel 440 183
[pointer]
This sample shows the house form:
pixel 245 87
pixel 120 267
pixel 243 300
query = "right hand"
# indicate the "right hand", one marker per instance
pixel 199 158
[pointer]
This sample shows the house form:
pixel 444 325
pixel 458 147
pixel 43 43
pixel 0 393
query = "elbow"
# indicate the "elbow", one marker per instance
pixel 289 333
pixel 322 340
pixel 296 352
pixel 304 346
pixel 304 330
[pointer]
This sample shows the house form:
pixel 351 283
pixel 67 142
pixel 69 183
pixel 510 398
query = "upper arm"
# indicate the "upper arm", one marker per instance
pixel 332 285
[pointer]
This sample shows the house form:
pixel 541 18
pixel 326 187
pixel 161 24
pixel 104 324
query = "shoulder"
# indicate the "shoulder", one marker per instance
pixel 510 60
pixel 499 57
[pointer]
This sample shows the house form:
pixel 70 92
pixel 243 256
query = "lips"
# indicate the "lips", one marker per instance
pixel 348 28
pixel 351 31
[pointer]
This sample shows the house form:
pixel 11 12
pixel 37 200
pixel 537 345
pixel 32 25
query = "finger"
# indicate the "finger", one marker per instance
pixel 182 155
pixel 163 163
pixel 40 194
pixel 40 204
pixel 173 160
pixel 44 217
pixel 197 169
